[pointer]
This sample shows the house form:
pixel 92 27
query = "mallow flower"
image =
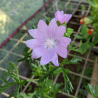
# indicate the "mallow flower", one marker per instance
pixel 60 16
pixel 48 42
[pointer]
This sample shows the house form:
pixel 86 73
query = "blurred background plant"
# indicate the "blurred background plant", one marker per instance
pixel 88 34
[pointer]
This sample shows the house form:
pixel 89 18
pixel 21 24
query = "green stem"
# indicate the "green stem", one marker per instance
pixel 47 74
pixel 33 80
pixel 50 72
pixel 64 73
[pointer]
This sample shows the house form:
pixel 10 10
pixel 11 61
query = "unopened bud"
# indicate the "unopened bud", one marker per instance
pixel 82 21
pixel 90 31
pixel 86 20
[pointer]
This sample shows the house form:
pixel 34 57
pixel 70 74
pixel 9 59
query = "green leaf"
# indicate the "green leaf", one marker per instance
pixel 2 88
pixel 68 32
pixel 58 23
pixel 79 37
pixel 33 65
pixel 55 89
pixel 27 56
pixel 75 60
pixel 73 48
pixel 88 19
pixel 68 85
pixel 44 67
pixel 59 70
pixel 47 19
pixel 12 72
pixel 47 74
pixel 96 1
pixel 70 45
pixel 29 95
pixel 33 26
pixel 92 90
pixel 67 70
pixel 83 31
pixel 83 48
pixel 91 3
pixel 95 25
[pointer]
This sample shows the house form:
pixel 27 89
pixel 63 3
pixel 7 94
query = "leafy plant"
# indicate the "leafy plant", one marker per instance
pixel 43 81
pixel 44 90
pixel 27 56
pixel 89 29
pixel 45 87
pixel 12 73
pixel 93 90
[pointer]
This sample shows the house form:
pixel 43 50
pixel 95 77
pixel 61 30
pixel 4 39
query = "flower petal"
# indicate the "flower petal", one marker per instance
pixel 47 56
pixel 38 52
pixel 62 51
pixel 35 33
pixel 52 24
pixel 32 32
pixel 33 43
pixel 59 16
pixel 42 29
pixel 62 12
pixel 65 40
pixel 54 31
pixel 52 28
pixel 55 60
pixel 59 32
pixel 30 43
pixel 67 17
pixel 61 46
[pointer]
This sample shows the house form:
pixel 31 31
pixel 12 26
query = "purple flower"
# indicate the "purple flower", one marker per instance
pixel 60 16
pixel 47 42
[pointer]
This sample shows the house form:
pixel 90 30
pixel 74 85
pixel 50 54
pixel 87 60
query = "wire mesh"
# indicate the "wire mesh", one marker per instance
pixel 17 42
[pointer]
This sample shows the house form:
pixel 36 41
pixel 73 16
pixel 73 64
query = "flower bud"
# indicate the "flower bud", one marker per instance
pixel 90 31
pixel 82 21
pixel 86 20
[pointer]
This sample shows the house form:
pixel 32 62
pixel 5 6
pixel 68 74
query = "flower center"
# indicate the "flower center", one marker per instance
pixel 50 43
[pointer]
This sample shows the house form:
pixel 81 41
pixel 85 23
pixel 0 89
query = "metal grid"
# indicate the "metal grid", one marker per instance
pixel 49 11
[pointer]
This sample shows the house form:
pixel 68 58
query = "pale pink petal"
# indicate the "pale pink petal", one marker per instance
pixel 55 60
pixel 56 15
pixel 33 43
pixel 38 52
pixel 62 51
pixel 59 16
pixel 32 32
pixel 54 31
pixel 62 19
pixel 35 34
pixel 62 12
pixel 52 28
pixel 42 29
pixel 59 32
pixel 30 43
pixel 47 56
pixel 67 17
pixel 52 23
pixel 61 46
pixel 65 40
